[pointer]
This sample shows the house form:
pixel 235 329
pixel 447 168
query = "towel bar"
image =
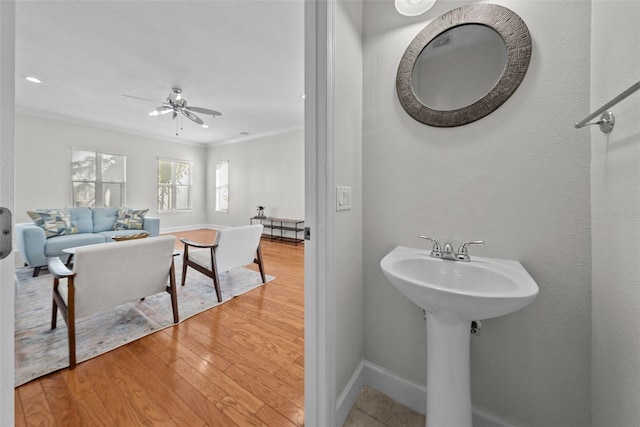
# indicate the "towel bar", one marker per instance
pixel 607 120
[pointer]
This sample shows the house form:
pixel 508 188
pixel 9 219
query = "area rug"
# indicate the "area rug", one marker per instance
pixel 39 350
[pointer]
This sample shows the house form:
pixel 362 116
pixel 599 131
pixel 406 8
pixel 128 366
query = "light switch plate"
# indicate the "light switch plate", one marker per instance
pixel 343 198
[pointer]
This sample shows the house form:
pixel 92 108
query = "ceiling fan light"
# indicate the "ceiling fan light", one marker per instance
pixel 413 7
pixel 176 105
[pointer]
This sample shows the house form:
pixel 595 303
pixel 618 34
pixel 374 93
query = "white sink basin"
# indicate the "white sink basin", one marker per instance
pixel 480 289
pixel 453 293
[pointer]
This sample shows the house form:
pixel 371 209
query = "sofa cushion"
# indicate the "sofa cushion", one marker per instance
pixel 82 219
pixel 104 218
pixel 55 245
pixel 130 219
pixel 54 222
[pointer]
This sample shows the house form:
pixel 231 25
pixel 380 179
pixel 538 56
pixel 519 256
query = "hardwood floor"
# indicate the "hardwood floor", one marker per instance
pixel 238 364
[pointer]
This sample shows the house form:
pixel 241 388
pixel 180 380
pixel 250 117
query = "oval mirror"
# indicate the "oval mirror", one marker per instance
pixel 463 65
pixel 459 67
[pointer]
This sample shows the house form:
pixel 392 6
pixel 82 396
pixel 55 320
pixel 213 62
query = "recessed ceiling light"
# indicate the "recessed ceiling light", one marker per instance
pixel 32 79
pixel 245 133
pixel 205 126
pixel 303 96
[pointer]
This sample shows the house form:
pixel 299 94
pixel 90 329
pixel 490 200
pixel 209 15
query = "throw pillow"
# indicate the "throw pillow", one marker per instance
pixel 54 222
pixel 130 219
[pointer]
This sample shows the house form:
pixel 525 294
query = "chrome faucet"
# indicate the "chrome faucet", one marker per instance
pixel 448 253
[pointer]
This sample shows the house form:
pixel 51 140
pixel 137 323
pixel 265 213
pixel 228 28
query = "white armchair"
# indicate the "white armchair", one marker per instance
pixel 110 274
pixel 232 248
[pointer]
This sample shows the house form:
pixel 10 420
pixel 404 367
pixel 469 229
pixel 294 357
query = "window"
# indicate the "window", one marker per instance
pixel 174 185
pixel 222 186
pixel 97 179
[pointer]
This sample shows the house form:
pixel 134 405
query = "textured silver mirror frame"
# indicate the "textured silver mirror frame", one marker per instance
pixel 517 39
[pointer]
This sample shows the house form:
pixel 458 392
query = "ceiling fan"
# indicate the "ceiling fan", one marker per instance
pixel 177 106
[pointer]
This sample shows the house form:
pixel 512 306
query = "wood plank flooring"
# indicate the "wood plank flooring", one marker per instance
pixel 238 364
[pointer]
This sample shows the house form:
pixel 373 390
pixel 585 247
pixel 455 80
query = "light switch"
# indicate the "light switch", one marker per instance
pixel 343 198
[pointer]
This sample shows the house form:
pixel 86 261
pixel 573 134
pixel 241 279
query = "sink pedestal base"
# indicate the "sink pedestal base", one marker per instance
pixel 448 379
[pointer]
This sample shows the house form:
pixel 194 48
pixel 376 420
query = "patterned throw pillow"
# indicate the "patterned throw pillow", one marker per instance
pixel 129 219
pixel 55 222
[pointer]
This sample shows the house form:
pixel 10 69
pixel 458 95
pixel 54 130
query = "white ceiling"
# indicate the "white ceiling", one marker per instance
pixel 242 58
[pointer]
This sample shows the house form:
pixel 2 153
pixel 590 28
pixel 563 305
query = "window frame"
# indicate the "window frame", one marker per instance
pixel 221 188
pixel 98 182
pixel 173 186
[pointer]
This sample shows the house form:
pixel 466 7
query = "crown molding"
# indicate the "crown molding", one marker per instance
pixel 98 125
pixel 114 128
pixel 257 136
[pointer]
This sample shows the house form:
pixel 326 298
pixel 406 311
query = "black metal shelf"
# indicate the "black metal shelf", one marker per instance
pixel 273 225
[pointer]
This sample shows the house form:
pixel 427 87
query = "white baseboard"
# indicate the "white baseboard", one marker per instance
pixel 410 394
pixel 348 397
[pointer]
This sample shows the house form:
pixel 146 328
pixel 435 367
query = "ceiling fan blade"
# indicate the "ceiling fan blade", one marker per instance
pixel 204 111
pixel 161 110
pixel 140 98
pixel 192 116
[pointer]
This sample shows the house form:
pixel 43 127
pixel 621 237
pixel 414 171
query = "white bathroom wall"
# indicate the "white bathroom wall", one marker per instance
pixel 517 179
pixel 266 171
pixel 615 215
pixel 43 167
pixel 348 170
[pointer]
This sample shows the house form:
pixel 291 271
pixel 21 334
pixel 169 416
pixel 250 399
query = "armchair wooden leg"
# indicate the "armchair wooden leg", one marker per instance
pixel 71 321
pixel 216 284
pixel 68 314
pixel 173 292
pixel 54 309
pixel 261 265
pixel 216 278
pixel 36 271
pixel 185 261
pixel 71 326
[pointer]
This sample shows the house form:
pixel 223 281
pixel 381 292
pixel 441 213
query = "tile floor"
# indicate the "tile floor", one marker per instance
pixel 374 409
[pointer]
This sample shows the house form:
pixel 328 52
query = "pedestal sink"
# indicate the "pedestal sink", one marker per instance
pixel 453 294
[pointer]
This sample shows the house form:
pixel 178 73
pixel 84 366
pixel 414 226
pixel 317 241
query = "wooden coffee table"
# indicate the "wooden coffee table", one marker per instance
pixel 140 235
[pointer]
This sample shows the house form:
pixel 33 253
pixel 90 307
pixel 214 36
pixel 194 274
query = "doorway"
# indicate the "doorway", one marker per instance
pixel 320 394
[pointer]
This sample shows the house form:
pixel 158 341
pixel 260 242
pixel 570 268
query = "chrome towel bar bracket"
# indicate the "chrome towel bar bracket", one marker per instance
pixel 606 123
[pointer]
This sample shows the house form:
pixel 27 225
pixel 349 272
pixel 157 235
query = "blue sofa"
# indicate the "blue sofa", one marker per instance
pixel 94 226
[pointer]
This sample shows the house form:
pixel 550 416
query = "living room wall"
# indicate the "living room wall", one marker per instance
pixel 267 171
pixel 43 167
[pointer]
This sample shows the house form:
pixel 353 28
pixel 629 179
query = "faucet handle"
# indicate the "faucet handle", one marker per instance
pixel 436 251
pixel 463 254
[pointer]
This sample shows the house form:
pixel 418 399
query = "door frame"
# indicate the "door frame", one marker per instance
pixel 320 318
pixel 320 210
pixel 7 178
